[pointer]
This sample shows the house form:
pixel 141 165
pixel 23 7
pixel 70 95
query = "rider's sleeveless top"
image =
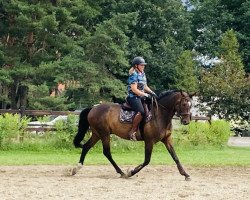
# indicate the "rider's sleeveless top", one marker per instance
pixel 140 79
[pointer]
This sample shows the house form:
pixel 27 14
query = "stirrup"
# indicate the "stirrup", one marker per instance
pixel 133 136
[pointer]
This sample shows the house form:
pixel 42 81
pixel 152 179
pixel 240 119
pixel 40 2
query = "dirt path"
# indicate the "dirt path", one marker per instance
pixel 101 182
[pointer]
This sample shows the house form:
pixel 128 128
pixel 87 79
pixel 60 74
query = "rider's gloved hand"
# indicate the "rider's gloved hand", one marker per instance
pixel 148 96
pixel 153 94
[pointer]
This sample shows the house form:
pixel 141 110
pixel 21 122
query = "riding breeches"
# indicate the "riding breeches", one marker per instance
pixel 136 104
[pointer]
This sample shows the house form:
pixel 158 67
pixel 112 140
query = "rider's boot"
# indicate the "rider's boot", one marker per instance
pixel 136 121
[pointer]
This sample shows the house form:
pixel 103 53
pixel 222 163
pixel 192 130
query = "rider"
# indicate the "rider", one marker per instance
pixel 137 88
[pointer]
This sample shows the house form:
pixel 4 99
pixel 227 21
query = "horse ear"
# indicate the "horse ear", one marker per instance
pixel 192 94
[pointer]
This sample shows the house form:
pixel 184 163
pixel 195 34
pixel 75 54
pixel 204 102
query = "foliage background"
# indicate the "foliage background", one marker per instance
pixel 14 135
pixel 88 46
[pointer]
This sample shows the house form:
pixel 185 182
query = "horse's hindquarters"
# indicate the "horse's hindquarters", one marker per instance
pixel 104 119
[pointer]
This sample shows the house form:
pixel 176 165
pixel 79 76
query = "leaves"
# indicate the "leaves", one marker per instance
pixel 225 85
pixel 186 73
pixel 88 46
pixel 211 18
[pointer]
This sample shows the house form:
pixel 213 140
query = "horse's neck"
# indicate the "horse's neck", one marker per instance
pixel 162 120
pixel 169 103
pixel 166 110
pixel 163 116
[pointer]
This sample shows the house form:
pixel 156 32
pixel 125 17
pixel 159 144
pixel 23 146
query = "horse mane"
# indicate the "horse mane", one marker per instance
pixel 167 93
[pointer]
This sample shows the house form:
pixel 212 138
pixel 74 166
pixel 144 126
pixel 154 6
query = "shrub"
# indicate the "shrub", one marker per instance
pixel 13 134
pixel 65 132
pixel 12 127
pixel 220 132
pixel 203 134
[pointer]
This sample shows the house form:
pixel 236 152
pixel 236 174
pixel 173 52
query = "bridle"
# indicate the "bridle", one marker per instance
pixel 178 111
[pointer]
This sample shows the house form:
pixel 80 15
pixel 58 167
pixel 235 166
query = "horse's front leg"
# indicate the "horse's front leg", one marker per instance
pixel 148 153
pixel 168 143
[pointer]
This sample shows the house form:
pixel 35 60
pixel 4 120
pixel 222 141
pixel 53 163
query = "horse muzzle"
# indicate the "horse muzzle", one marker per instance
pixel 185 119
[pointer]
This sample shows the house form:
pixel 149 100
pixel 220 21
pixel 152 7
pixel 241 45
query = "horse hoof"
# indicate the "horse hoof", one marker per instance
pixel 129 174
pixel 73 171
pixel 187 178
pixel 70 172
pixel 124 176
pixel 76 169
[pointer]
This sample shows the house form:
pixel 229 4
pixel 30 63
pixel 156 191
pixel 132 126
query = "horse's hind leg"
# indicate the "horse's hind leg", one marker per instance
pixel 107 153
pixel 86 147
pixel 167 142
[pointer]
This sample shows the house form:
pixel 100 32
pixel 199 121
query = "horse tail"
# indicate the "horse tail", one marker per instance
pixel 83 126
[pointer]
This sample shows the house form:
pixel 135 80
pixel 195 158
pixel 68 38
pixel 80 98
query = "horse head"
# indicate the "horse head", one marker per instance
pixel 179 103
pixel 183 106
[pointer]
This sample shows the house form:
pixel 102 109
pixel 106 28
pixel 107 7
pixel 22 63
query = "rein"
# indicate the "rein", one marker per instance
pixel 162 106
pixel 154 100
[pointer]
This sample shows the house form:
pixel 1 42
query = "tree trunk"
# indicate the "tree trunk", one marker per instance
pixel 13 95
pixel 23 93
pixel 30 44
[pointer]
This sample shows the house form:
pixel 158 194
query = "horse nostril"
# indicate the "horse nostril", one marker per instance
pixel 185 122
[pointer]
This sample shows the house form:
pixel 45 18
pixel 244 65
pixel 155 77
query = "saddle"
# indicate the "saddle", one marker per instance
pixel 127 113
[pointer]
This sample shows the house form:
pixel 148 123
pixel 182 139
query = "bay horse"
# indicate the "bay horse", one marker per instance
pixel 103 120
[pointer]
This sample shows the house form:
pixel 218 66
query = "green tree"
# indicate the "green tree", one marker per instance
pixel 211 18
pixel 33 33
pixel 161 32
pixel 226 87
pixel 87 43
pixel 108 46
pixel 186 73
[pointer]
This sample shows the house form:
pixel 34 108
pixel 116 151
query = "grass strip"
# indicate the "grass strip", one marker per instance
pixel 228 156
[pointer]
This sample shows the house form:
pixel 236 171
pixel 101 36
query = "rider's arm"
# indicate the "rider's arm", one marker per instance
pixel 136 90
pixel 147 89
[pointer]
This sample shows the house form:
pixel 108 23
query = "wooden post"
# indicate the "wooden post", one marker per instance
pixel 210 119
pixel 23 93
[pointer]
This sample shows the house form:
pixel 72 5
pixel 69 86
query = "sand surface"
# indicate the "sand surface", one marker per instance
pixel 102 182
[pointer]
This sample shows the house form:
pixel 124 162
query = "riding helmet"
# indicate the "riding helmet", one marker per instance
pixel 138 61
